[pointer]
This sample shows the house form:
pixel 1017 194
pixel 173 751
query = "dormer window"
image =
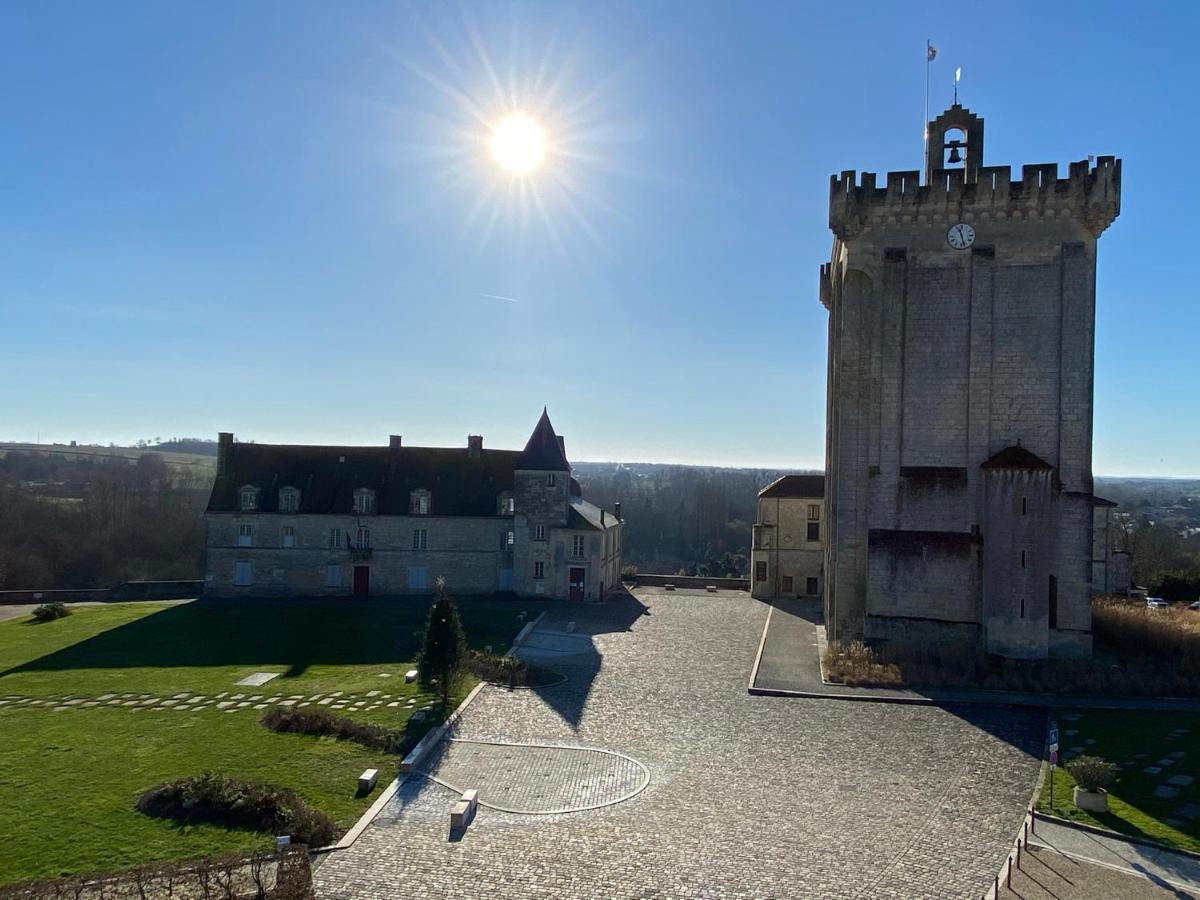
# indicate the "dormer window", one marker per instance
pixel 505 504
pixel 364 502
pixel 418 502
pixel 289 500
pixel 248 498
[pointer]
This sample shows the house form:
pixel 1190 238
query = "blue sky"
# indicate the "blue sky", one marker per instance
pixel 281 219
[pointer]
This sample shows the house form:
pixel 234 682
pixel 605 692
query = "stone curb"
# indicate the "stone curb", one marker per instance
pixel 762 643
pixel 524 633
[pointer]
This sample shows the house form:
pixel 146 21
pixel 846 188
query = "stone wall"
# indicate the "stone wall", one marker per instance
pixel 781 542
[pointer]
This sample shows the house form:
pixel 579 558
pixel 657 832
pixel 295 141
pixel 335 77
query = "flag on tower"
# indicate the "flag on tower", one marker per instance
pixel 930 52
pixel 958 75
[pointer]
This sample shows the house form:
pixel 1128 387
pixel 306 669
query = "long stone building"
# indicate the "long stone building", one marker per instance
pixel 959 411
pixel 332 521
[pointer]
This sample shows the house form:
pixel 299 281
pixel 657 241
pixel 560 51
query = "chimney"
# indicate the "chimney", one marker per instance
pixel 394 441
pixel 474 446
pixel 617 506
pixel 224 442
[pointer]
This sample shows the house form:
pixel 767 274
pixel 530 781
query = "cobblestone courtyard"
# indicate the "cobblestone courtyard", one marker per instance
pixel 747 796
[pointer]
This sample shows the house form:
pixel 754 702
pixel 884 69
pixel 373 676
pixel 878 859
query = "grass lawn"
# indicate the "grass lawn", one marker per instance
pixel 1135 740
pixel 68 779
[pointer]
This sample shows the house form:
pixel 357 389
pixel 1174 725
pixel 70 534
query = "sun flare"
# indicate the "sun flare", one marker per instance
pixel 518 144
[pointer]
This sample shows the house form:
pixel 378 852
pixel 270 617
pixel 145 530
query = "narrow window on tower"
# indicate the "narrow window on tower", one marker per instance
pixel 1022 607
pixel 1022 559
pixel 1024 506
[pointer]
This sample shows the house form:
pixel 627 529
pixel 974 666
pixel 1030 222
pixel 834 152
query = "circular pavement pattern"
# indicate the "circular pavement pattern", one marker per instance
pixel 536 779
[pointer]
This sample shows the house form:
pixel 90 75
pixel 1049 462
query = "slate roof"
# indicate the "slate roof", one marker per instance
pixel 328 476
pixel 810 486
pixel 585 516
pixel 543 451
pixel 1016 458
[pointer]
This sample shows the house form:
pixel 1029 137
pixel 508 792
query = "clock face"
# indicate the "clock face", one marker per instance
pixel 960 236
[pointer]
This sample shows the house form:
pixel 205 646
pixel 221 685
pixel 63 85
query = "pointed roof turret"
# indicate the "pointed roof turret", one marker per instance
pixel 544 451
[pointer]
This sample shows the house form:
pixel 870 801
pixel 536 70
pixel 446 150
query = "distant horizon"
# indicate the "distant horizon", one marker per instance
pixel 802 469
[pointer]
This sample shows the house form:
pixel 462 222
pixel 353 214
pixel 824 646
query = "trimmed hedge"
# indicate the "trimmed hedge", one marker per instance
pixel 325 724
pixel 218 800
pixel 48 612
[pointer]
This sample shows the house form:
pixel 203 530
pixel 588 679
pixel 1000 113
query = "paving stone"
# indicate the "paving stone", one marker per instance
pixel 393 704
pixel 222 695
pixel 260 705
pixel 305 703
pixel 180 696
pixel 1165 762
pixel 373 693
pixel 1164 792
pixel 1090 741
pixel 225 704
pixel 1189 811
pixel 1070 732
pixel 326 701
pixel 1180 780
pixel 746 795
pixel 1178 754
pixel 1174 823
pixel 106 696
pixel 1071 717
pixel 242 705
pixel 288 702
pixel 1152 770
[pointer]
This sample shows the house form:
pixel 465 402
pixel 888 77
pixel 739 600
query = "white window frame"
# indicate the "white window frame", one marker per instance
pixel 420 539
pixel 506 541
pixel 539 570
pixel 539 532
pixel 289 500
pixel 814 512
pixel 287 536
pixel 577 545
pixel 419 502
pixel 333 575
pixel 364 502
pixel 241 566
pixel 245 535
pixel 506 505
pixel 335 538
pixel 362 538
pixel 248 498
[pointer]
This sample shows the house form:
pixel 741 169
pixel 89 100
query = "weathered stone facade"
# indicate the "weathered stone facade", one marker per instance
pixel 959 411
pixel 333 521
pixel 786 556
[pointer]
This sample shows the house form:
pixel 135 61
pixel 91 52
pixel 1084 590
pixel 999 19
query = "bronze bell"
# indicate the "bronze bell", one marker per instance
pixel 955 156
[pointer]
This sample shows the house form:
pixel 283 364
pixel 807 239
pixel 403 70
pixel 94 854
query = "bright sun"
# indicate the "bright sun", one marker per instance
pixel 518 144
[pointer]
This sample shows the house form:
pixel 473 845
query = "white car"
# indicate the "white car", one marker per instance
pixel 1194 606
pixel 1157 603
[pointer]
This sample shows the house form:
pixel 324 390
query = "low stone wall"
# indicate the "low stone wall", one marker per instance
pixel 692 581
pixel 129 590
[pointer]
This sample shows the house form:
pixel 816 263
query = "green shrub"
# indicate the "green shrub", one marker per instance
pixel 326 724
pixel 628 573
pixel 1092 773
pixel 48 612
pixel 232 803
pixel 497 669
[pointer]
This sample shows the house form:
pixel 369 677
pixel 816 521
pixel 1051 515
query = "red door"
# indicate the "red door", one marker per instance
pixel 362 581
pixel 576 580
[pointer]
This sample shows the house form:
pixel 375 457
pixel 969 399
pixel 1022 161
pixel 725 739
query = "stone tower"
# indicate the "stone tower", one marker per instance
pixel 959 409
pixel 541 503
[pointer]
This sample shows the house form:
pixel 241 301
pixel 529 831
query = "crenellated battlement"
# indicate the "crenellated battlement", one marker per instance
pixel 1090 194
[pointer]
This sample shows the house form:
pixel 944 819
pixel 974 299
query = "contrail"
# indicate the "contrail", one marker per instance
pixel 498 297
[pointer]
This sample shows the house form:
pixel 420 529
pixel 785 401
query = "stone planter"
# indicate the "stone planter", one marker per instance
pixel 1091 801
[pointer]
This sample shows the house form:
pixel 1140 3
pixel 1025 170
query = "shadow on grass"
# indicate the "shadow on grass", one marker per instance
pixel 296 633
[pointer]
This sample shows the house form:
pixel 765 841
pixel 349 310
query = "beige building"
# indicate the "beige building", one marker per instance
pixel 333 521
pixel 1110 565
pixel 786 556
pixel 959 415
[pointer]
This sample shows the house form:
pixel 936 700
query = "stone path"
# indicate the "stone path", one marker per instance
pixel 748 796
pixel 1158 864
pixel 227 701
pixel 1045 874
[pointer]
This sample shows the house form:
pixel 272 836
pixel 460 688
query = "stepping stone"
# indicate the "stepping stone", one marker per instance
pixel 385 674
pixel 1070 732
pixel 306 703
pixel 1090 741
pixel 338 706
pixel 260 706
pixel 1071 717
pixel 1181 780
pixel 238 697
pixel 1074 749
pixel 257 679
pixel 1165 762
pixel 393 704
pixel 373 693
pixel 274 699
pixel 113 702
pixel 1152 770
pixel 372 706
pixel 224 704
pixel 336 693
pixel 326 701
pixel 1189 811
pixel 1181 730
pixel 1139 756
pixel 222 695
pixel 61 708
pixel 90 703
pixel 181 696
pixel 1178 754
pixel 169 702
pixel 1174 823
pixel 1165 793
pixel 129 702
pixel 106 696
pixel 287 702
pixel 243 704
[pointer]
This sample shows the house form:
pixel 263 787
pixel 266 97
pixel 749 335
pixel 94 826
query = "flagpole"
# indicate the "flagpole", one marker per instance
pixel 925 123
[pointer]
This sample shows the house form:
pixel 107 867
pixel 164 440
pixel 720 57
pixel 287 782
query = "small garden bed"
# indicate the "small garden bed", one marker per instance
pixel 230 802
pixel 508 671
pixel 326 724
pixel 1138 652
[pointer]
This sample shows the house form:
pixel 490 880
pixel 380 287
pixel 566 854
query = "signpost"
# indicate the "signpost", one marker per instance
pixel 1052 748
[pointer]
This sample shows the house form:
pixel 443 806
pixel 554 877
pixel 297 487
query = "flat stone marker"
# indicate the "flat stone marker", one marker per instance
pixel 410 676
pixel 366 781
pixel 1165 762
pixel 1165 792
pixel 287 702
pixel 260 706
pixel 1181 780
pixel 1189 811
pixel 373 693
pixel 326 701
pixel 106 696
pixel 1178 754
pixel 393 704
pixel 1152 770
pixel 225 704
